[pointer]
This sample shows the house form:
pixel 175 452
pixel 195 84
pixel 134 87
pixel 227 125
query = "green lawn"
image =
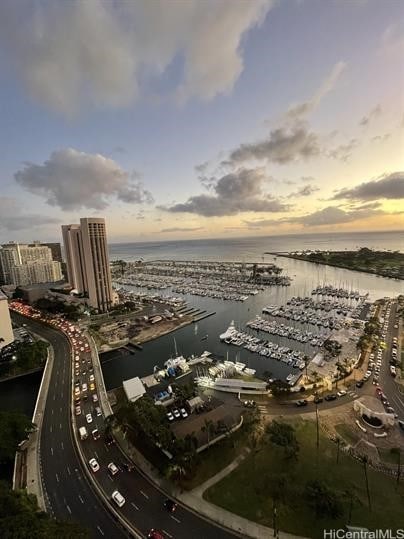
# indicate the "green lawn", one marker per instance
pixel 346 433
pixel 217 457
pixel 245 492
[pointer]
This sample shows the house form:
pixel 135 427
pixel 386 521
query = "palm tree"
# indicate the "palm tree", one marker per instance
pixel 397 451
pixel 338 441
pixel 364 460
pixel 207 428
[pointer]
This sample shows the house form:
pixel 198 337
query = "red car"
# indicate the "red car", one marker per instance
pixel 155 534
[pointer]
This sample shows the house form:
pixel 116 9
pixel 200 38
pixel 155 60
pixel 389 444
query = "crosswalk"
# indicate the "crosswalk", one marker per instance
pixel 352 394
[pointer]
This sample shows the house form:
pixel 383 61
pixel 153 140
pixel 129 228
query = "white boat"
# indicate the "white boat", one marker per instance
pixel 230 331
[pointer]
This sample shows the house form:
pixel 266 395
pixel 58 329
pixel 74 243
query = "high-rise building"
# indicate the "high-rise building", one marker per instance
pixel 23 264
pixel 55 248
pixel 6 330
pixel 87 260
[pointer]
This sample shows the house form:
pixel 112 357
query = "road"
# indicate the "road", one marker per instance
pixel 388 383
pixel 66 484
pixel 66 488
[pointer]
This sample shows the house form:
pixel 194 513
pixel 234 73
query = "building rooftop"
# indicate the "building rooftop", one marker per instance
pixel 134 389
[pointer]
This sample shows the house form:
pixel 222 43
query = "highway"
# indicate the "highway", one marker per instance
pixel 66 488
pixel 68 491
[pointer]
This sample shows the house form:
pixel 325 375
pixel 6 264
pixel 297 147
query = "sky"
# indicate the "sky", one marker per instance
pixel 184 119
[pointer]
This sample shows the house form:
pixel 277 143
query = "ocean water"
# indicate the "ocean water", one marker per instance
pixel 253 248
pixel 305 277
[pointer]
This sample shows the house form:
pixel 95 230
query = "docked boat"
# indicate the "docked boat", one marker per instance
pixel 230 331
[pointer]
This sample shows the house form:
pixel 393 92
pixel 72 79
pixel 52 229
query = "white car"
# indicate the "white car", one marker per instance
pixel 113 468
pixel 89 418
pixel 98 411
pixel 184 413
pixel 118 498
pixel 84 387
pixel 94 397
pixel 170 416
pixel 91 377
pixel 94 465
pixel 341 393
pixel 176 413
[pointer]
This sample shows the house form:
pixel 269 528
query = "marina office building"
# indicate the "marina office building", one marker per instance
pixel 87 261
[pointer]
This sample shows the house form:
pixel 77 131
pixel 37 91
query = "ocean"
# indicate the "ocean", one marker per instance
pixel 305 276
pixel 253 248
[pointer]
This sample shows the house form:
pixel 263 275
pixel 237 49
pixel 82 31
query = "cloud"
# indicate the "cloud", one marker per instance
pixel 71 54
pixel 236 192
pixel 300 110
pixel 334 216
pixel 14 218
pixel 388 186
pixel 72 180
pixel 374 113
pixel 304 191
pixel 282 146
pixel 182 229
pixel 343 152
pixel 381 138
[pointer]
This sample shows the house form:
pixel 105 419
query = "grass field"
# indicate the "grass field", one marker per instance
pixel 244 491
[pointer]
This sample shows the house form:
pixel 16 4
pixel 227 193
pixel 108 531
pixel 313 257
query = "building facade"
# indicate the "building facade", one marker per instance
pixel 87 260
pixel 6 330
pixel 24 264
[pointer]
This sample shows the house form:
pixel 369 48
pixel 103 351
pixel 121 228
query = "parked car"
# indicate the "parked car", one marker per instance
pixel 183 413
pixel 89 418
pixel 301 402
pixel 401 424
pixel 318 399
pixel 78 410
pixel 330 397
pixel 359 383
pixel 155 534
pixel 96 434
pixel 341 393
pixel 176 413
pixel 170 416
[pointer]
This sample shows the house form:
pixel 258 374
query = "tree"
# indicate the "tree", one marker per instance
pixel 396 451
pixel 338 441
pixel 323 500
pixel 14 428
pixel 20 517
pixel 283 435
pixel 365 461
pixel 208 428
pixel 279 387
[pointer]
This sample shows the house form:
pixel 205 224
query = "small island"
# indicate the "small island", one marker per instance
pixel 384 263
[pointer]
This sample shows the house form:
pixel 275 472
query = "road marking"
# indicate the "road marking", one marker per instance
pixel 57 478
pixel 168 534
pixel 95 453
pixel 50 428
pixel 176 519
pixel 60 425
pixel 68 471
pixel 52 450
pixel 54 396
pixel 60 409
pixel 100 530
pixel 144 494
pixel 81 499
pixel 135 506
pixel 52 411
pixel 68 508
pixel 109 477
pixel 61 443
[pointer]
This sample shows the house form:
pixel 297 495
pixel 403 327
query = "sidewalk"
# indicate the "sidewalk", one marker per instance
pixel 99 378
pixel 27 467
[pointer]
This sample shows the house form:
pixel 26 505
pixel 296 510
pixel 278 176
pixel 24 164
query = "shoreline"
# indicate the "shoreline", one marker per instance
pixel 20 375
pixel 339 266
